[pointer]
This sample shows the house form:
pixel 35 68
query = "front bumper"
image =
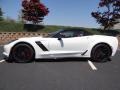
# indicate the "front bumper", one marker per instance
pixel 5 55
pixel 7 50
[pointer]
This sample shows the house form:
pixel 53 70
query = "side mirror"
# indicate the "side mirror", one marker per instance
pixel 59 38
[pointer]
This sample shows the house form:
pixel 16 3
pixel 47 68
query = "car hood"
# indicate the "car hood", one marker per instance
pixel 33 38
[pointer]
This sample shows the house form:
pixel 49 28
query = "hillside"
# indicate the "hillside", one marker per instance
pixel 6 26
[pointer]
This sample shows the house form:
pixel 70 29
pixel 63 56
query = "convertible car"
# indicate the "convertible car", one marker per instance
pixel 67 43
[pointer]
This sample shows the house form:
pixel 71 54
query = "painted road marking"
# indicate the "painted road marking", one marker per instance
pixel 92 65
pixel 2 61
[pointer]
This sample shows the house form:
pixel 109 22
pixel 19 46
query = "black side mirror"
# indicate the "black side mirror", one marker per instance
pixel 59 38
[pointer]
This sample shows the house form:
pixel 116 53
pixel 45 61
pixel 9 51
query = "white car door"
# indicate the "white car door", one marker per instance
pixel 68 46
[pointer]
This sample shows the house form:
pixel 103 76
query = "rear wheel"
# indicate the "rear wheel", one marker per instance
pixel 101 53
pixel 22 53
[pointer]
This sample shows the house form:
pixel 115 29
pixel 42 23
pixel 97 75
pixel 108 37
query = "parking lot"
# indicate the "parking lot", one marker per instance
pixel 67 74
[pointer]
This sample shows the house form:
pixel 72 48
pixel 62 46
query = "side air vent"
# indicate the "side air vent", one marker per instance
pixel 41 46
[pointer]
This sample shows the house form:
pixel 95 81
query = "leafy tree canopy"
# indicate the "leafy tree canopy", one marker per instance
pixel 34 11
pixel 108 13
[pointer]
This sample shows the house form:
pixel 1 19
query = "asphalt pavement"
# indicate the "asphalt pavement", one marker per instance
pixel 70 74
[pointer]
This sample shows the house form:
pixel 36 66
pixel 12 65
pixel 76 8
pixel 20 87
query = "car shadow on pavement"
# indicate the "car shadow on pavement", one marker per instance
pixel 71 60
pixel 63 60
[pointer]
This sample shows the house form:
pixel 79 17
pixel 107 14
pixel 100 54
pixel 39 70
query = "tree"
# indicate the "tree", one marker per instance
pixel 1 14
pixel 109 14
pixel 33 11
pixel 20 19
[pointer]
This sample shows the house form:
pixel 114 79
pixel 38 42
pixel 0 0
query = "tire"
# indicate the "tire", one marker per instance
pixel 22 53
pixel 9 60
pixel 101 53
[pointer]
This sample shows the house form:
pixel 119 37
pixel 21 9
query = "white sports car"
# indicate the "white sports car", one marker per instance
pixel 62 44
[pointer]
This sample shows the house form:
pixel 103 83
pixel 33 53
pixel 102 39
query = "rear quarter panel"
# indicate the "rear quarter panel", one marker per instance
pixel 96 39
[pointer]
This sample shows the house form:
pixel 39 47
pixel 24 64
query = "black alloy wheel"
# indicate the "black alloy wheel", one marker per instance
pixel 101 53
pixel 22 53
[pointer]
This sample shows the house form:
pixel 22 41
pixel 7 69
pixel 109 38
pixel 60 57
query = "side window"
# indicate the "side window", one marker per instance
pixel 79 33
pixel 67 34
pixel 64 34
pixel 70 33
pixel 57 35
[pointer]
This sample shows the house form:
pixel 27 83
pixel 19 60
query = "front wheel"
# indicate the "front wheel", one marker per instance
pixel 22 53
pixel 101 53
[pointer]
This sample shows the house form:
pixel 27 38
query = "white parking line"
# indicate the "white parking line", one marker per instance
pixel 92 65
pixel 2 61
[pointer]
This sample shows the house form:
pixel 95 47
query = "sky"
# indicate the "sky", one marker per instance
pixel 62 12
